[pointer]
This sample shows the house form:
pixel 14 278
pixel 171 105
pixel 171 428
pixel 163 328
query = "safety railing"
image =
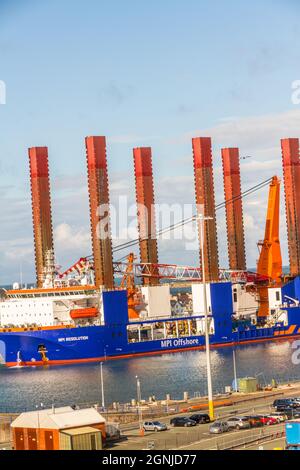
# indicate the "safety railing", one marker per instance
pixel 247 440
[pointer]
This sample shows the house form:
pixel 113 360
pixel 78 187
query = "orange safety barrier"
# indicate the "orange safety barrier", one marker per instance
pixel 204 406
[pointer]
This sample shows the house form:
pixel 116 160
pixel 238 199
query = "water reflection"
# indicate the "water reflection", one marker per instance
pixel 173 373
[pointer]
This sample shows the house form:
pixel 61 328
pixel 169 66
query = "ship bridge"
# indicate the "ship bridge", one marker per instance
pixel 52 292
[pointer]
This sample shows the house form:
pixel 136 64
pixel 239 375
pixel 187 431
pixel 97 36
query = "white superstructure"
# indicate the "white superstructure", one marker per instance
pixel 245 302
pixel 42 307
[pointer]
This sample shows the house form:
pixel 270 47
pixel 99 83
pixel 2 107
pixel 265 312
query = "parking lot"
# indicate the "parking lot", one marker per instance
pixel 199 437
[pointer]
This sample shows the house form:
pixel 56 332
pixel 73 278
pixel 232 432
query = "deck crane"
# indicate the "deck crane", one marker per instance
pixel 269 263
pixel 133 298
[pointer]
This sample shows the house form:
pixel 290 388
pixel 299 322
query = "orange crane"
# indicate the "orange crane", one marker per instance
pixel 270 262
pixel 128 283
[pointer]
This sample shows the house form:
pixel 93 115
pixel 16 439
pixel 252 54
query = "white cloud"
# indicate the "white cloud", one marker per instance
pixel 249 222
pixel 67 238
pixel 254 132
pixel 257 165
pixel 18 249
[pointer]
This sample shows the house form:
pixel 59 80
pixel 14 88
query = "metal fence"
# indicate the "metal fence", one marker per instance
pixel 248 439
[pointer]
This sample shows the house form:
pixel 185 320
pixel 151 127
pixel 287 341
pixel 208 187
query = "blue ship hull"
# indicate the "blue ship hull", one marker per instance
pixel 63 345
pixel 92 343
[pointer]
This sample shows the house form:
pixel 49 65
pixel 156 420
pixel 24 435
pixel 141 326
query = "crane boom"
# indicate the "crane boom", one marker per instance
pixel 270 262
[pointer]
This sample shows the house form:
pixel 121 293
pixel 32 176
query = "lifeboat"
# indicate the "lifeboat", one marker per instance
pixel 89 312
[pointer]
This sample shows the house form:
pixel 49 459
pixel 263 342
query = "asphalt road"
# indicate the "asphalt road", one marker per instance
pixel 278 444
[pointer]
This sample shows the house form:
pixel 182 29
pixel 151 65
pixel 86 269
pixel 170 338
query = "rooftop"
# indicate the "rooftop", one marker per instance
pixel 80 431
pixel 58 418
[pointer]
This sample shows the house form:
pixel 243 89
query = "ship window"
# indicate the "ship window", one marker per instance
pixel 132 335
pixel 277 295
pixel 235 297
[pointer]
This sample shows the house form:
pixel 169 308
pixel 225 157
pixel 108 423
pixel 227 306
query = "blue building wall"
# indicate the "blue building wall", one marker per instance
pixel 222 308
pixel 115 307
pixel 293 315
pixel 292 289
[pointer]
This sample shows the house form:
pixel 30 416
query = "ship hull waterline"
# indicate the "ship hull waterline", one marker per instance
pixel 23 349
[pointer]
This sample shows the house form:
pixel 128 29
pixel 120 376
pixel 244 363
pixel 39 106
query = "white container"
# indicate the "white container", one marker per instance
pixel 157 300
pixel 198 302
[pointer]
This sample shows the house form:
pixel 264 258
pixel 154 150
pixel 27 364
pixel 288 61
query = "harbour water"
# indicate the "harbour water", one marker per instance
pixel 25 388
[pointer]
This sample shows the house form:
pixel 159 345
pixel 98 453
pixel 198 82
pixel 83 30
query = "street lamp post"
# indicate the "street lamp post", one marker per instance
pixel 139 398
pixel 102 386
pixel 38 425
pixel 234 371
pixel 201 219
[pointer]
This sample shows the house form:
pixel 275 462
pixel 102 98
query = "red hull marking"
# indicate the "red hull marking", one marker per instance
pixel 151 353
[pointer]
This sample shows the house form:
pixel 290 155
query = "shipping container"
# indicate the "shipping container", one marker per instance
pixel 85 438
pixel 157 301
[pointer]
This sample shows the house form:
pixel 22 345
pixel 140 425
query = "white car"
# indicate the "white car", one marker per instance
pixel 281 417
pixel 154 426
pixel 219 427
pixel 238 422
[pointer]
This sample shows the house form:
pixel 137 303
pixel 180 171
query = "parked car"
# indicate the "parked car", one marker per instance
pixel 285 403
pixel 238 422
pixel 112 432
pixel 154 426
pixel 267 420
pixel 219 427
pixel 281 415
pixel 255 421
pixel 200 418
pixel 291 413
pixel 278 417
pixel 182 421
pixel 296 399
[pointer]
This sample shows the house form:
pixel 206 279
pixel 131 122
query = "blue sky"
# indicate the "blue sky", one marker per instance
pixel 141 73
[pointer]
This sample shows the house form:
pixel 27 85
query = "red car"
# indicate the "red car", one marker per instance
pixel 267 420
